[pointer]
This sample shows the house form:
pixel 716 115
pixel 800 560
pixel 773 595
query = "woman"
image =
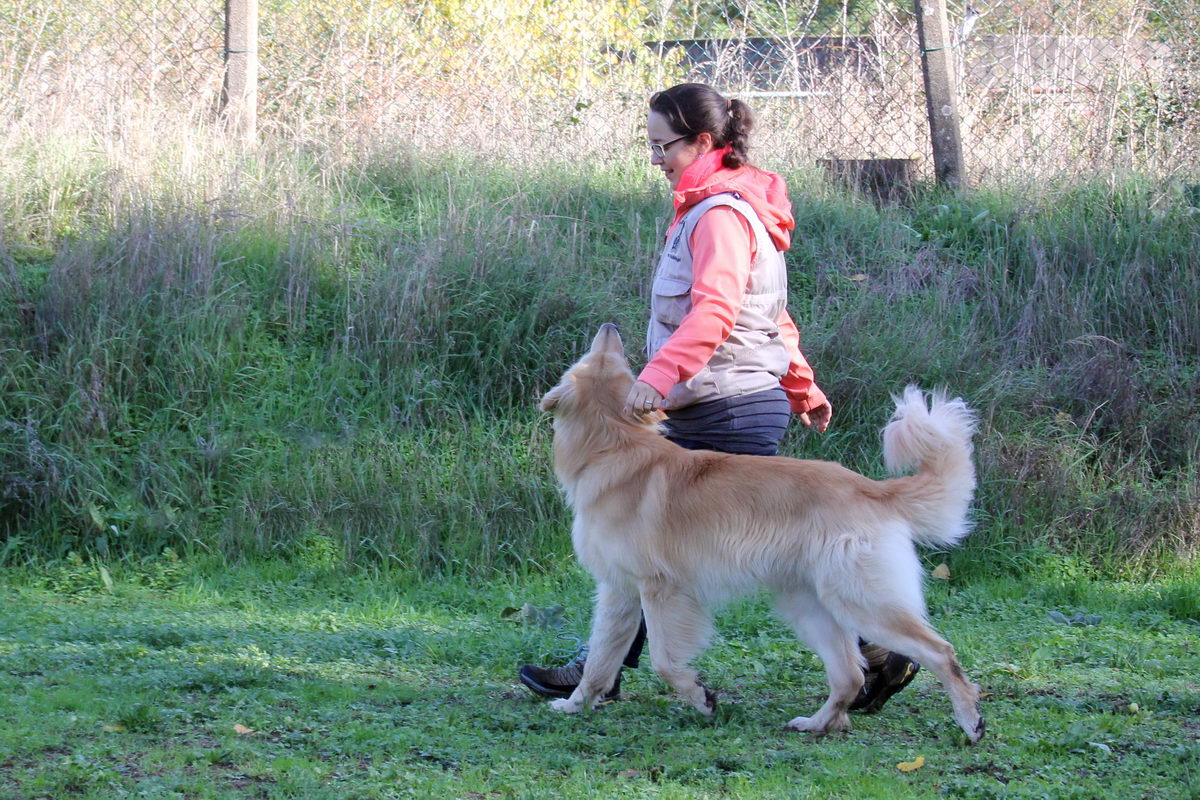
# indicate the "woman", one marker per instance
pixel 724 357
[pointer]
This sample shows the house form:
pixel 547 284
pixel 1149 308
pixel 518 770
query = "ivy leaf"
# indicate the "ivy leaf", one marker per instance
pixel 97 517
pixel 548 617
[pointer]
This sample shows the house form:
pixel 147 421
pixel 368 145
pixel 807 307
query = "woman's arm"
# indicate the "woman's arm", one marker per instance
pixel 802 391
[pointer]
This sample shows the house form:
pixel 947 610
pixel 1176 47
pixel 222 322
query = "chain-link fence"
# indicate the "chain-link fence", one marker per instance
pixel 85 56
pixel 1043 88
pixel 1075 85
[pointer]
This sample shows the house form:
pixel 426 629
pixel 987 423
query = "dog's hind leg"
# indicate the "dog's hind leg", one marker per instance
pixel 838 649
pixel 908 633
pixel 614 624
pixel 678 628
pixel 895 619
pixel 886 607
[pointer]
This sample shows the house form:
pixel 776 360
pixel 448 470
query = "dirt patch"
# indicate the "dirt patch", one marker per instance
pixel 989 769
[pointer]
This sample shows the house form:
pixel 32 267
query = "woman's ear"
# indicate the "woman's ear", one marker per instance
pixel 704 144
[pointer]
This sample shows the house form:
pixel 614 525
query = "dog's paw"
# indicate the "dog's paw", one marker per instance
pixel 567 705
pixel 702 699
pixel 805 724
pixel 975 735
pixel 817 725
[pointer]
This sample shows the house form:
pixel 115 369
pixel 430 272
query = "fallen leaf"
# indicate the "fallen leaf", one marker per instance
pixel 941 572
pixel 114 728
pixel 242 730
pixel 858 277
pixel 909 766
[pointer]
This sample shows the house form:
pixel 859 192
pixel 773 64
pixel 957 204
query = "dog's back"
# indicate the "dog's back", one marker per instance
pixel 745 520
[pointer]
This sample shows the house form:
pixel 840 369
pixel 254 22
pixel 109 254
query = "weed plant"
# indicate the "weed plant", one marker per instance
pixel 249 353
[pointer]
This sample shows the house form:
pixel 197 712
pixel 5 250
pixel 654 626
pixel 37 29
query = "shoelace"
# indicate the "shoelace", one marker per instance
pixel 565 655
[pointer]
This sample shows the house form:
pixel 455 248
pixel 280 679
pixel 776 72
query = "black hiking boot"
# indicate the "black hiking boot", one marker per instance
pixel 884 680
pixel 561 681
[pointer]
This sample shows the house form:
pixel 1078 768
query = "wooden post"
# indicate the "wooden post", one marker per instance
pixel 933 33
pixel 239 99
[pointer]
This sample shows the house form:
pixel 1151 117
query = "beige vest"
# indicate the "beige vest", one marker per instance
pixel 754 357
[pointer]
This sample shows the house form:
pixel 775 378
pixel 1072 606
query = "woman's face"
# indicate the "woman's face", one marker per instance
pixel 678 153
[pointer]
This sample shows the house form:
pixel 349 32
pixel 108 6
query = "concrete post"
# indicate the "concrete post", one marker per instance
pixel 239 99
pixel 933 32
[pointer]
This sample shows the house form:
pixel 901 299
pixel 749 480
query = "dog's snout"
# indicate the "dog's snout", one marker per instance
pixel 608 339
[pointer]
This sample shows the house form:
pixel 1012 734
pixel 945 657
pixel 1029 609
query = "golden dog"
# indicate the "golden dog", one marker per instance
pixel 674 532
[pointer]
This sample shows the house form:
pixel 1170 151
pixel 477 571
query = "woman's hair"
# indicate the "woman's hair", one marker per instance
pixel 695 108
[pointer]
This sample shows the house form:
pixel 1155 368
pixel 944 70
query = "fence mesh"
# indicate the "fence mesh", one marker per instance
pixel 1043 88
pixel 89 54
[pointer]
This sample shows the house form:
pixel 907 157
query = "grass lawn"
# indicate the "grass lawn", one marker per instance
pixel 281 681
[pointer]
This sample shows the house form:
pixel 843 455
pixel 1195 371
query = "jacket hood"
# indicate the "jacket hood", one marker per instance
pixel 765 191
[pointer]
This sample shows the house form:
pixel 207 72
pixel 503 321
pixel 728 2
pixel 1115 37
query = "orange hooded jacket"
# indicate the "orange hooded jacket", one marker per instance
pixel 723 247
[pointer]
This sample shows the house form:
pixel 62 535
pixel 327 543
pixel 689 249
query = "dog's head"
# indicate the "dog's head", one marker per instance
pixel 596 384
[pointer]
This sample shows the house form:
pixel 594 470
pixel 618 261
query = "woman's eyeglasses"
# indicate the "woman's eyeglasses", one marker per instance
pixel 660 150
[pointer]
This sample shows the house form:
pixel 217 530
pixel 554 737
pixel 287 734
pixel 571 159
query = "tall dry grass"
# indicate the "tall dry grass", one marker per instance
pixel 244 351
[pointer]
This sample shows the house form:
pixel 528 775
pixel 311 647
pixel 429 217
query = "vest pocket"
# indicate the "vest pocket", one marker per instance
pixel 671 301
pixel 769 304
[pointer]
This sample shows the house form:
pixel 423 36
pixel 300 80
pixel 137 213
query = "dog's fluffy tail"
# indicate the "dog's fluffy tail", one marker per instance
pixel 935 437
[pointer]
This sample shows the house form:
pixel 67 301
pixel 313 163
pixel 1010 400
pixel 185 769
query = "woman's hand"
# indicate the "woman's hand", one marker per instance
pixel 818 418
pixel 642 399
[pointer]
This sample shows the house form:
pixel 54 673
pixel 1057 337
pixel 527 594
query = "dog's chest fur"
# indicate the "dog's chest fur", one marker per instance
pixel 616 513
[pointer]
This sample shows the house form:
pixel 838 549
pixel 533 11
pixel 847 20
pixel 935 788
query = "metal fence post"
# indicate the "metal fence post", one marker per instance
pixel 933 32
pixel 239 99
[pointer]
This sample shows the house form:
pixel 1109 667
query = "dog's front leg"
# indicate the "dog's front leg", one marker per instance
pixel 678 627
pixel 614 625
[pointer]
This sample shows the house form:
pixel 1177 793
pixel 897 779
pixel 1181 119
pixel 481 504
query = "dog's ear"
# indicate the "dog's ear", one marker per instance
pixel 551 398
